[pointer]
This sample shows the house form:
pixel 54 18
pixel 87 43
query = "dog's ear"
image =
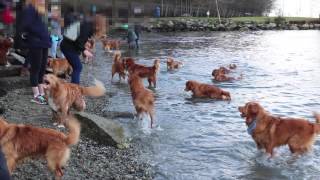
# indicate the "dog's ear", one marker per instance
pixel 253 108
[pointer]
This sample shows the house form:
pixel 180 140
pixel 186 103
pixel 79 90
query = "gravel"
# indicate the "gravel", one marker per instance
pixel 89 160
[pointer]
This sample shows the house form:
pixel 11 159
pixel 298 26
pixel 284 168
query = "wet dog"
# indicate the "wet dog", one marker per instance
pixel 59 67
pixel 270 131
pixel 20 141
pixel 109 44
pixel 118 66
pixel 5 45
pixel 201 90
pixel 143 99
pixel 143 71
pixel 172 64
pixel 220 75
pixel 62 96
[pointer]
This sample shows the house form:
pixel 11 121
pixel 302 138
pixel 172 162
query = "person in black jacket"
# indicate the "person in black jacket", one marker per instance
pixel 72 49
pixel 37 40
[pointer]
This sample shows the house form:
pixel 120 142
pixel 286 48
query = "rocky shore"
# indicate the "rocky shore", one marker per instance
pixel 89 159
pixel 209 24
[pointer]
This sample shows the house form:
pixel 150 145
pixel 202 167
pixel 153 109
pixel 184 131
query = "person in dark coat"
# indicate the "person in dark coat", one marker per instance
pixel 72 49
pixel 37 40
pixel 137 30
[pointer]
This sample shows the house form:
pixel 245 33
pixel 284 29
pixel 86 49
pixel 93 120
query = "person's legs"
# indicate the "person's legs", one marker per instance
pixel 35 58
pixel 4 172
pixel 74 60
pixel 53 49
pixel 43 65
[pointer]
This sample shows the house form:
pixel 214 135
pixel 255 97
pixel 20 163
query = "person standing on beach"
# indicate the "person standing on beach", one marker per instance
pixel 132 37
pixel 56 36
pixel 37 39
pixel 79 31
pixel 137 30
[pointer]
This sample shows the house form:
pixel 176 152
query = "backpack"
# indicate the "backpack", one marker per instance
pixel 72 32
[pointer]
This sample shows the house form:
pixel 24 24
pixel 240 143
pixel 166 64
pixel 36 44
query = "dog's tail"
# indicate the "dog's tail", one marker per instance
pixel 74 131
pixel 156 65
pixel 94 91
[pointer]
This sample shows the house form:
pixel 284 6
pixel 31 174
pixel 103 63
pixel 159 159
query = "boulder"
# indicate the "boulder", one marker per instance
pixel 293 27
pixel 103 130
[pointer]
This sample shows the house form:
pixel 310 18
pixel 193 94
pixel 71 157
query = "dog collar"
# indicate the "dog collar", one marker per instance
pixel 252 126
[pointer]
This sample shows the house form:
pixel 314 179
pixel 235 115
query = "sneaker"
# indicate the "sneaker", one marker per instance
pixel 39 100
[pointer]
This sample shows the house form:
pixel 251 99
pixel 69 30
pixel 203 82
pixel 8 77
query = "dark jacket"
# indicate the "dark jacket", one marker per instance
pixel 4 172
pixel 36 30
pixel 86 31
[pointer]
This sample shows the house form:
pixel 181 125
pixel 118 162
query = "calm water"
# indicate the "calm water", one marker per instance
pixel 207 139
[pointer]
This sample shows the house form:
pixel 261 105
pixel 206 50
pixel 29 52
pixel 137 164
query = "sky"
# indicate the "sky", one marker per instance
pixel 297 8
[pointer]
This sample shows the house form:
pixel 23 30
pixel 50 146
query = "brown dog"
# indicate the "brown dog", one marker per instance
pixel 109 44
pixel 60 66
pixel 220 75
pixel 172 64
pixel 143 99
pixel 62 96
pixel 206 91
pixel 118 66
pixel 270 131
pixel 22 141
pixel 143 71
pixel 5 45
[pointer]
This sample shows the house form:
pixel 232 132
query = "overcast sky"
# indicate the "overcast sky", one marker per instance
pixel 298 8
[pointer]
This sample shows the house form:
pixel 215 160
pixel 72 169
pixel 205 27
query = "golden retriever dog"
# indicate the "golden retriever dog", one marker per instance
pixel 220 75
pixel 59 66
pixel 270 131
pixel 201 90
pixel 5 45
pixel 172 64
pixel 62 96
pixel 143 99
pixel 143 71
pixel 118 66
pixel 20 141
pixel 109 44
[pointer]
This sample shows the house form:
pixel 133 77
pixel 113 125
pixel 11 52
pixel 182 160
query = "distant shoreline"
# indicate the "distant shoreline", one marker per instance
pixel 178 24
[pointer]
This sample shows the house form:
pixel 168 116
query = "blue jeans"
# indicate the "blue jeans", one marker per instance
pixel 74 60
pixel 54 46
pixel 4 172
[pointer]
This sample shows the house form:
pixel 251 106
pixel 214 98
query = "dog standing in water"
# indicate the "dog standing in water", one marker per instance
pixel 143 71
pixel 201 90
pixel 270 131
pixel 118 66
pixel 143 99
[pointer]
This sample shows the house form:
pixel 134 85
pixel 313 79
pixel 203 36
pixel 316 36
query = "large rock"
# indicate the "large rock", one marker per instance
pixel 102 130
pixel 293 27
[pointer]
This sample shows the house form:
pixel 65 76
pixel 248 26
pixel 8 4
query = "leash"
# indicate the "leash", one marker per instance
pixel 252 126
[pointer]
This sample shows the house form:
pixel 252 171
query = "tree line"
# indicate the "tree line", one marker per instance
pixel 227 8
